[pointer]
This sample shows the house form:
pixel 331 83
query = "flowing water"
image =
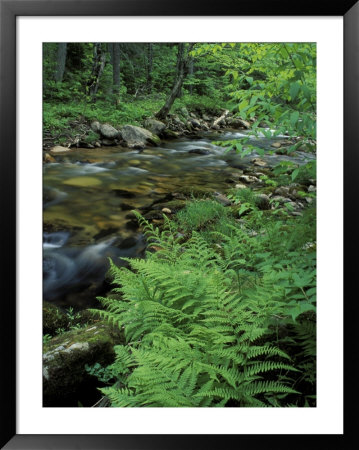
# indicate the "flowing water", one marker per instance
pixel 89 195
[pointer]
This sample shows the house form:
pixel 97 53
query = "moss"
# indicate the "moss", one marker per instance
pixel 65 358
pixel 195 191
pixel 52 319
pixel 170 134
pixel 173 205
pixel 267 190
pixel 154 139
pixel 97 332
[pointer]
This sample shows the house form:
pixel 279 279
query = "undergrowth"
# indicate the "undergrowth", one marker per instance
pixel 225 319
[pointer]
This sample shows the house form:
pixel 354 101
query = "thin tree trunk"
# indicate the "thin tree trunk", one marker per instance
pixel 183 58
pixel 116 68
pixel 149 67
pixel 99 60
pixel 179 67
pixel 60 61
pixel 190 73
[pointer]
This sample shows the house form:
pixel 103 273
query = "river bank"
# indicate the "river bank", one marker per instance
pixel 89 196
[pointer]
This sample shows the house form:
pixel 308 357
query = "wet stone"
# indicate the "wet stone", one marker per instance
pixel 200 151
pixel 128 243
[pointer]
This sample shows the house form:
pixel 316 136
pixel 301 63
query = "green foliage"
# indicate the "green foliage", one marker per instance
pixel 202 319
pixel 199 213
pixel 200 103
pixel 287 172
pixel 268 181
pixel 276 83
pixel 103 374
pixel 242 196
pixel 46 338
pixel 71 315
pixel 57 117
pixel 271 84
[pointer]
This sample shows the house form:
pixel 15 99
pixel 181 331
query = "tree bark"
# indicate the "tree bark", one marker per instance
pixel 99 60
pixel 60 61
pixel 183 58
pixel 190 73
pixel 116 68
pixel 149 67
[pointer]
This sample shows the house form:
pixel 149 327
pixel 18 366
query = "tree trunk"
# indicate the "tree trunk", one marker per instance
pixel 183 59
pixel 190 73
pixel 179 66
pixel 149 67
pixel 99 59
pixel 60 62
pixel 116 68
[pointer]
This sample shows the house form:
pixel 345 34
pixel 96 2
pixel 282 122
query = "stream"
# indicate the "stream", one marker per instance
pixel 89 195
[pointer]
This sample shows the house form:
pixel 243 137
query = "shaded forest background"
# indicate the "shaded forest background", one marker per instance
pixel 272 84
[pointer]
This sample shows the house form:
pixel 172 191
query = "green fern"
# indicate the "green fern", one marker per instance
pixel 201 319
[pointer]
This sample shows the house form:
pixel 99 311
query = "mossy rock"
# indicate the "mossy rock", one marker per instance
pixel 151 215
pixel 195 191
pixel 268 190
pixel 234 210
pixel 52 319
pixel 173 205
pixel 170 134
pixel 65 356
pixel 155 140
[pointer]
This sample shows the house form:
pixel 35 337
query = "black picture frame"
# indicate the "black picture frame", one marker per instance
pixel 9 10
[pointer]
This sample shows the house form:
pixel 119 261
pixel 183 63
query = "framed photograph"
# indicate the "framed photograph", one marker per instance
pixel 172 276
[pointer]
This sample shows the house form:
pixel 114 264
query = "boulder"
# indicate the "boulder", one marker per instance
pixel 108 131
pixel 95 126
pixel 155 126
pixel 64 359
pixel 137 137
pixel 222 199
pixel 59 149
pixel 262 201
